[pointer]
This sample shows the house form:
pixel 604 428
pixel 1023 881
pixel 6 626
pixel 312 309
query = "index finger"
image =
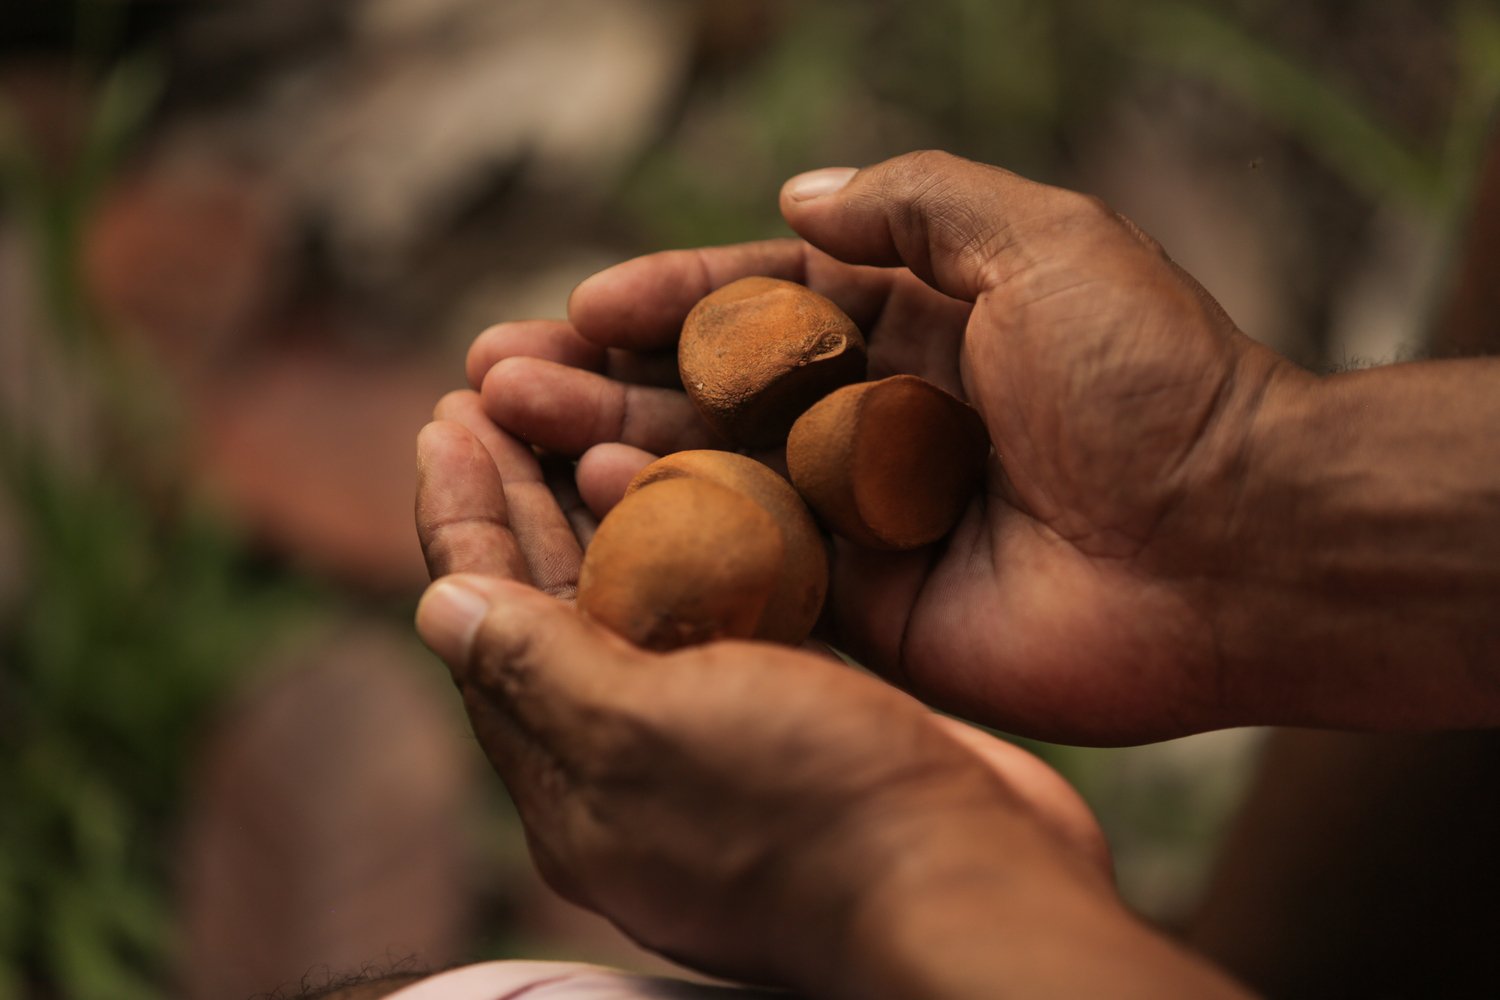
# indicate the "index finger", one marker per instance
pixel 538 522
pixel 462 518
pixel 640 304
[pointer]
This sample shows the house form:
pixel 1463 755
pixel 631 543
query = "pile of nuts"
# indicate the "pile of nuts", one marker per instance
pixel 712 544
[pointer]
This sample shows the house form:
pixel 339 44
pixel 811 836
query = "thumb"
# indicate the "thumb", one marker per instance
pixel 539 681
pixel 510 638
pixel 960 226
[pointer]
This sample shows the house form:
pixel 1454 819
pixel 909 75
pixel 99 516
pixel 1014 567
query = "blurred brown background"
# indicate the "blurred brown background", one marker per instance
pixel 244 246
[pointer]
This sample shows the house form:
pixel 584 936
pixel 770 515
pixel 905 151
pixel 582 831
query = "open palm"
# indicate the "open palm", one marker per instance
pixel 1076 597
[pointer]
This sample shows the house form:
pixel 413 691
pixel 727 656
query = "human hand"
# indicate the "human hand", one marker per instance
pixel 755 811
pixel 1078 597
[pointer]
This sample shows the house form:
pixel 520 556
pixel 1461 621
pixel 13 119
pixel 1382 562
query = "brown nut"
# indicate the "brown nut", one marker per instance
pixel 683 562
pixel 759 351
pixel 797 599
pixel 889 464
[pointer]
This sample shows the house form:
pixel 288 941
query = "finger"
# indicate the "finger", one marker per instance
pixel 569 411
pixel 871 596
pixel 461 511
pixel 544 664
pixel 516 462
pixel 561 479
pixel 919 332
pixel 654 368
pixel 818 647
pixel 605 470
pixel 543 531
pixel 640 304
pixel 963 227
pixel 529 668
pixel 1054 801
pixel 553 340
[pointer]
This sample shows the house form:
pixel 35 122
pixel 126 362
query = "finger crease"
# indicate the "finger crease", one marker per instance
pixel 627 414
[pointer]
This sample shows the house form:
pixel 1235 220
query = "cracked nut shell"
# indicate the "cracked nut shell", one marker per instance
pixel 889 464
pixel 797 598
pixel 758 352
pixel 680 562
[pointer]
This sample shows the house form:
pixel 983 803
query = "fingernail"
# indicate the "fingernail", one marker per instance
pixel 817 183
pixel 447 619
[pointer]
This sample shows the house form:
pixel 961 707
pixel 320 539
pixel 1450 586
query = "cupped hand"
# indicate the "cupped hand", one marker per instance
pixel 755 811
pixel 1077 599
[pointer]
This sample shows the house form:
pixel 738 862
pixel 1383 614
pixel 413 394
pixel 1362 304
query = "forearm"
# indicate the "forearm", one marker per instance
pixel 1361 865
pixel 1047 946
pixel 1017 922
pixel 1365 542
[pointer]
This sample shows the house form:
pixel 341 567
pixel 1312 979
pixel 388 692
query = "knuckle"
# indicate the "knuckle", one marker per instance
pixel 620 742
pixel 599 729
pixel 1140 235
pixel 504 664
pixel 977 238
pixel 619 421
pixel 911 178
pixel 1093 218
pixel 939 210
pixel 925 162
pixel 1088 209
pixel 922 180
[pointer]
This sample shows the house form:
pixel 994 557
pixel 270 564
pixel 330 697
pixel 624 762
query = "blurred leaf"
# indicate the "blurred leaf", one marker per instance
pixel 84 960
pixel 1476 31
pixel 127 95
pixel 23 183
pixel 98 825
pixel 54 204
pixel 10 883
pixel 126 640
pixel 1187 38
pixel 1007 54
pixel 140 915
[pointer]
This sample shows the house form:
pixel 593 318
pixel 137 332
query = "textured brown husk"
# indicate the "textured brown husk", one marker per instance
pixel 888 464
pixel 680 562
pixel 802 583
pixel 756 353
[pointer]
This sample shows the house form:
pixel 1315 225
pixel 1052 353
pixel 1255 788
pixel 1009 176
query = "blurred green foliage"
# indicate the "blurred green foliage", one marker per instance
pixel 1351 139
pixel 126 636
pixel 133 616
pixel 1013 82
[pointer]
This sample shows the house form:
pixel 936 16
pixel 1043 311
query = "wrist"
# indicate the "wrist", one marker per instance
pixel 1035 925
pixel 904 892
pixel 1363 550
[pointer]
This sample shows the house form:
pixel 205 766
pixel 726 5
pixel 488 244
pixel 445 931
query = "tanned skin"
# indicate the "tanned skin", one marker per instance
pixel 1181 531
